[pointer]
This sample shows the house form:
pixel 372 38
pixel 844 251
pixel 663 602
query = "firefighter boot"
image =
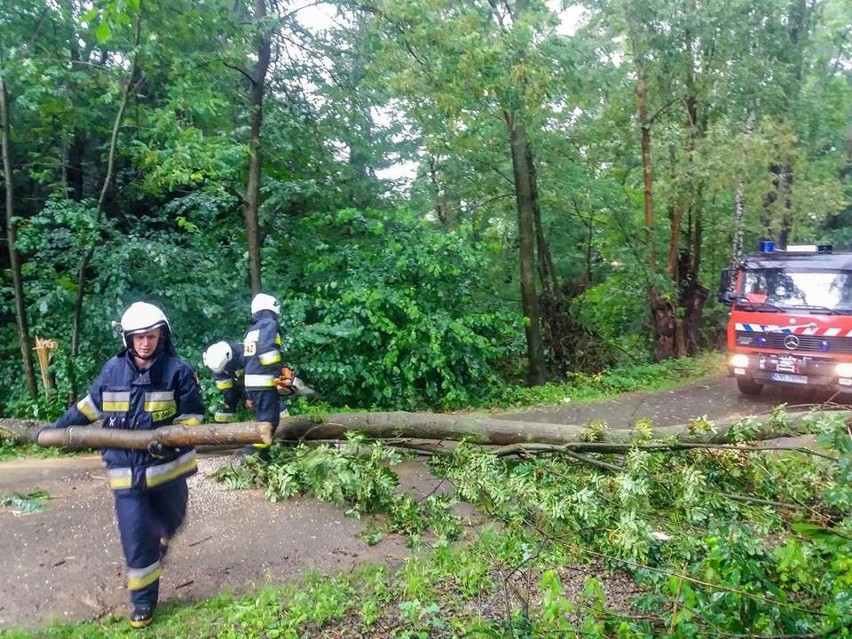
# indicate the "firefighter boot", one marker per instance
pixel 142 616
pixel 256 452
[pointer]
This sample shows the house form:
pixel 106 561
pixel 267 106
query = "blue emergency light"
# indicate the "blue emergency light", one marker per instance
pixel 767 246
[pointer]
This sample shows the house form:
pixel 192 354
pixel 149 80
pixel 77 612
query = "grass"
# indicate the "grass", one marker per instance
pixel 583 387
pixel 11 450
pixel 445 593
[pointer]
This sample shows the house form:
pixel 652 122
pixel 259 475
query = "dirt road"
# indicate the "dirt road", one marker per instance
pixel 66 564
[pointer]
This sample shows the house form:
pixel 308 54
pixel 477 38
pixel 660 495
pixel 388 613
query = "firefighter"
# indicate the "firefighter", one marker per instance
pixel 225 360
pixel 145 386
pixel 262 356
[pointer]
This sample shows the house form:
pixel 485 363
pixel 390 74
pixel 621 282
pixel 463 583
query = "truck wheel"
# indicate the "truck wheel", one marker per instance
pixel 748 386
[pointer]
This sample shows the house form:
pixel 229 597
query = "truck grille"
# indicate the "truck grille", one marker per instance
pixel 809 343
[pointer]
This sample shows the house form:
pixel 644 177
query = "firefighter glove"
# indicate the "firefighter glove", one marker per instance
pixel 160 451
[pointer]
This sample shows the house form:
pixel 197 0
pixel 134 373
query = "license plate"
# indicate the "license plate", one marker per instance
pixel 785 377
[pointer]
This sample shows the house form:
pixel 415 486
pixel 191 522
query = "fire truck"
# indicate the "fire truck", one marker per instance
pixel 791 318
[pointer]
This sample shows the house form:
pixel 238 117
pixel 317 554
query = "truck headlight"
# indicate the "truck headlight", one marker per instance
pixel 843 370
pixel 741 361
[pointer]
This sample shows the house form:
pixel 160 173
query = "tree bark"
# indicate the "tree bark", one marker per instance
pixel 251 206
pixel 536 371
pixel 662 311
pixel 11 238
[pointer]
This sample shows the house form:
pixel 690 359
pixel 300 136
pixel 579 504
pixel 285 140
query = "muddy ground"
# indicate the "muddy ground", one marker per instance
pixel 65 564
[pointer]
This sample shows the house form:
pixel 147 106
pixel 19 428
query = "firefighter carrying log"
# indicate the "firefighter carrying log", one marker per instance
pixel 145 386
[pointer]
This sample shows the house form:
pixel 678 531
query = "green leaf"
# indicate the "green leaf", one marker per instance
pixel 103 31
pixel 90 15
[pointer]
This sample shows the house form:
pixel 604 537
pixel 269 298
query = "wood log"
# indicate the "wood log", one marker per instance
pixel 93 436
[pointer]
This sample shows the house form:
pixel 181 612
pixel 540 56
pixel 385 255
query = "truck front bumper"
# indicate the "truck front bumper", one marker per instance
pixel 790 370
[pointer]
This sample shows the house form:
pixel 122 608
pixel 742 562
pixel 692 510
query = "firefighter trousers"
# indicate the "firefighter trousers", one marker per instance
pixel 144 517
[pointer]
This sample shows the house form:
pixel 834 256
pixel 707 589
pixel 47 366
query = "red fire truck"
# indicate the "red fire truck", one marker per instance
pixel 791 318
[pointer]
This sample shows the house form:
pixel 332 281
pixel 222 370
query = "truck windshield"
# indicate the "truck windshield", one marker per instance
pixel 812 291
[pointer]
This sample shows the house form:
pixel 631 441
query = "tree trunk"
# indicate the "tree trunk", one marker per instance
pixel 692 303
pixel 665 327
pixel 662 312
pixel 537 372
pixel 737 251
pixel 14 262
pixel 251 206
pixel 476 428
pixel 174 435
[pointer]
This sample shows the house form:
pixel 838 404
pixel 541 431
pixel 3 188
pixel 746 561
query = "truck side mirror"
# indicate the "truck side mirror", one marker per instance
pixel 725 296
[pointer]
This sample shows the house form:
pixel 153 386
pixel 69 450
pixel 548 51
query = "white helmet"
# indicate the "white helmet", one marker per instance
pixel 140 318
pixel 264 302
pixel 217 356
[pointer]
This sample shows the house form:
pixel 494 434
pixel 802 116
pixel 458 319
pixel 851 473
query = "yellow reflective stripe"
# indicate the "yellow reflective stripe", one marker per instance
pixel 259 381
pixel 138 578
pixel 270 357
pixel 162 473
pixel 88 408
pixel 153 407
pixel 116 401
pixel 225 384
pixel 223 418
pixel 119 478
pixel 188 419
pixel 116 407
pixel 278 340
pixel 261 445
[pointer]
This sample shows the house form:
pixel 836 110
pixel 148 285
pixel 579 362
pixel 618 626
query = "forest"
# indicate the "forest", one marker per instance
pixel 448 198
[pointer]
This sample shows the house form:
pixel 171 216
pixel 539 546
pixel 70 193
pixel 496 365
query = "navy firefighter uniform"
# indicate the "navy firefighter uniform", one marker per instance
pixel 149 486
pixel 262 355
pixel 225 360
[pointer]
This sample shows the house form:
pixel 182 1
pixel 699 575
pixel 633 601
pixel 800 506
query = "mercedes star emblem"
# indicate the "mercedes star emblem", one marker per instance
pixel 791 342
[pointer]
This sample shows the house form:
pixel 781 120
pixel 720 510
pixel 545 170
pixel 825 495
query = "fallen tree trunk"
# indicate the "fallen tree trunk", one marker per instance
pixel 487 430
pixel 476 428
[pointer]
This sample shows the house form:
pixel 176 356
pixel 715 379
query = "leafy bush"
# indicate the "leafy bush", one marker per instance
pixel 357 475
pixel 390 312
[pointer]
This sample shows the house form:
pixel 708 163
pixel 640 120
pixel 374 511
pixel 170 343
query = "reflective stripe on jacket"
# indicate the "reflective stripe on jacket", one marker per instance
pixel 262 351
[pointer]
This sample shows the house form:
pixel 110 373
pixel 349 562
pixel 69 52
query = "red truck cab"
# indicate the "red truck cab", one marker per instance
pixel 791 319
